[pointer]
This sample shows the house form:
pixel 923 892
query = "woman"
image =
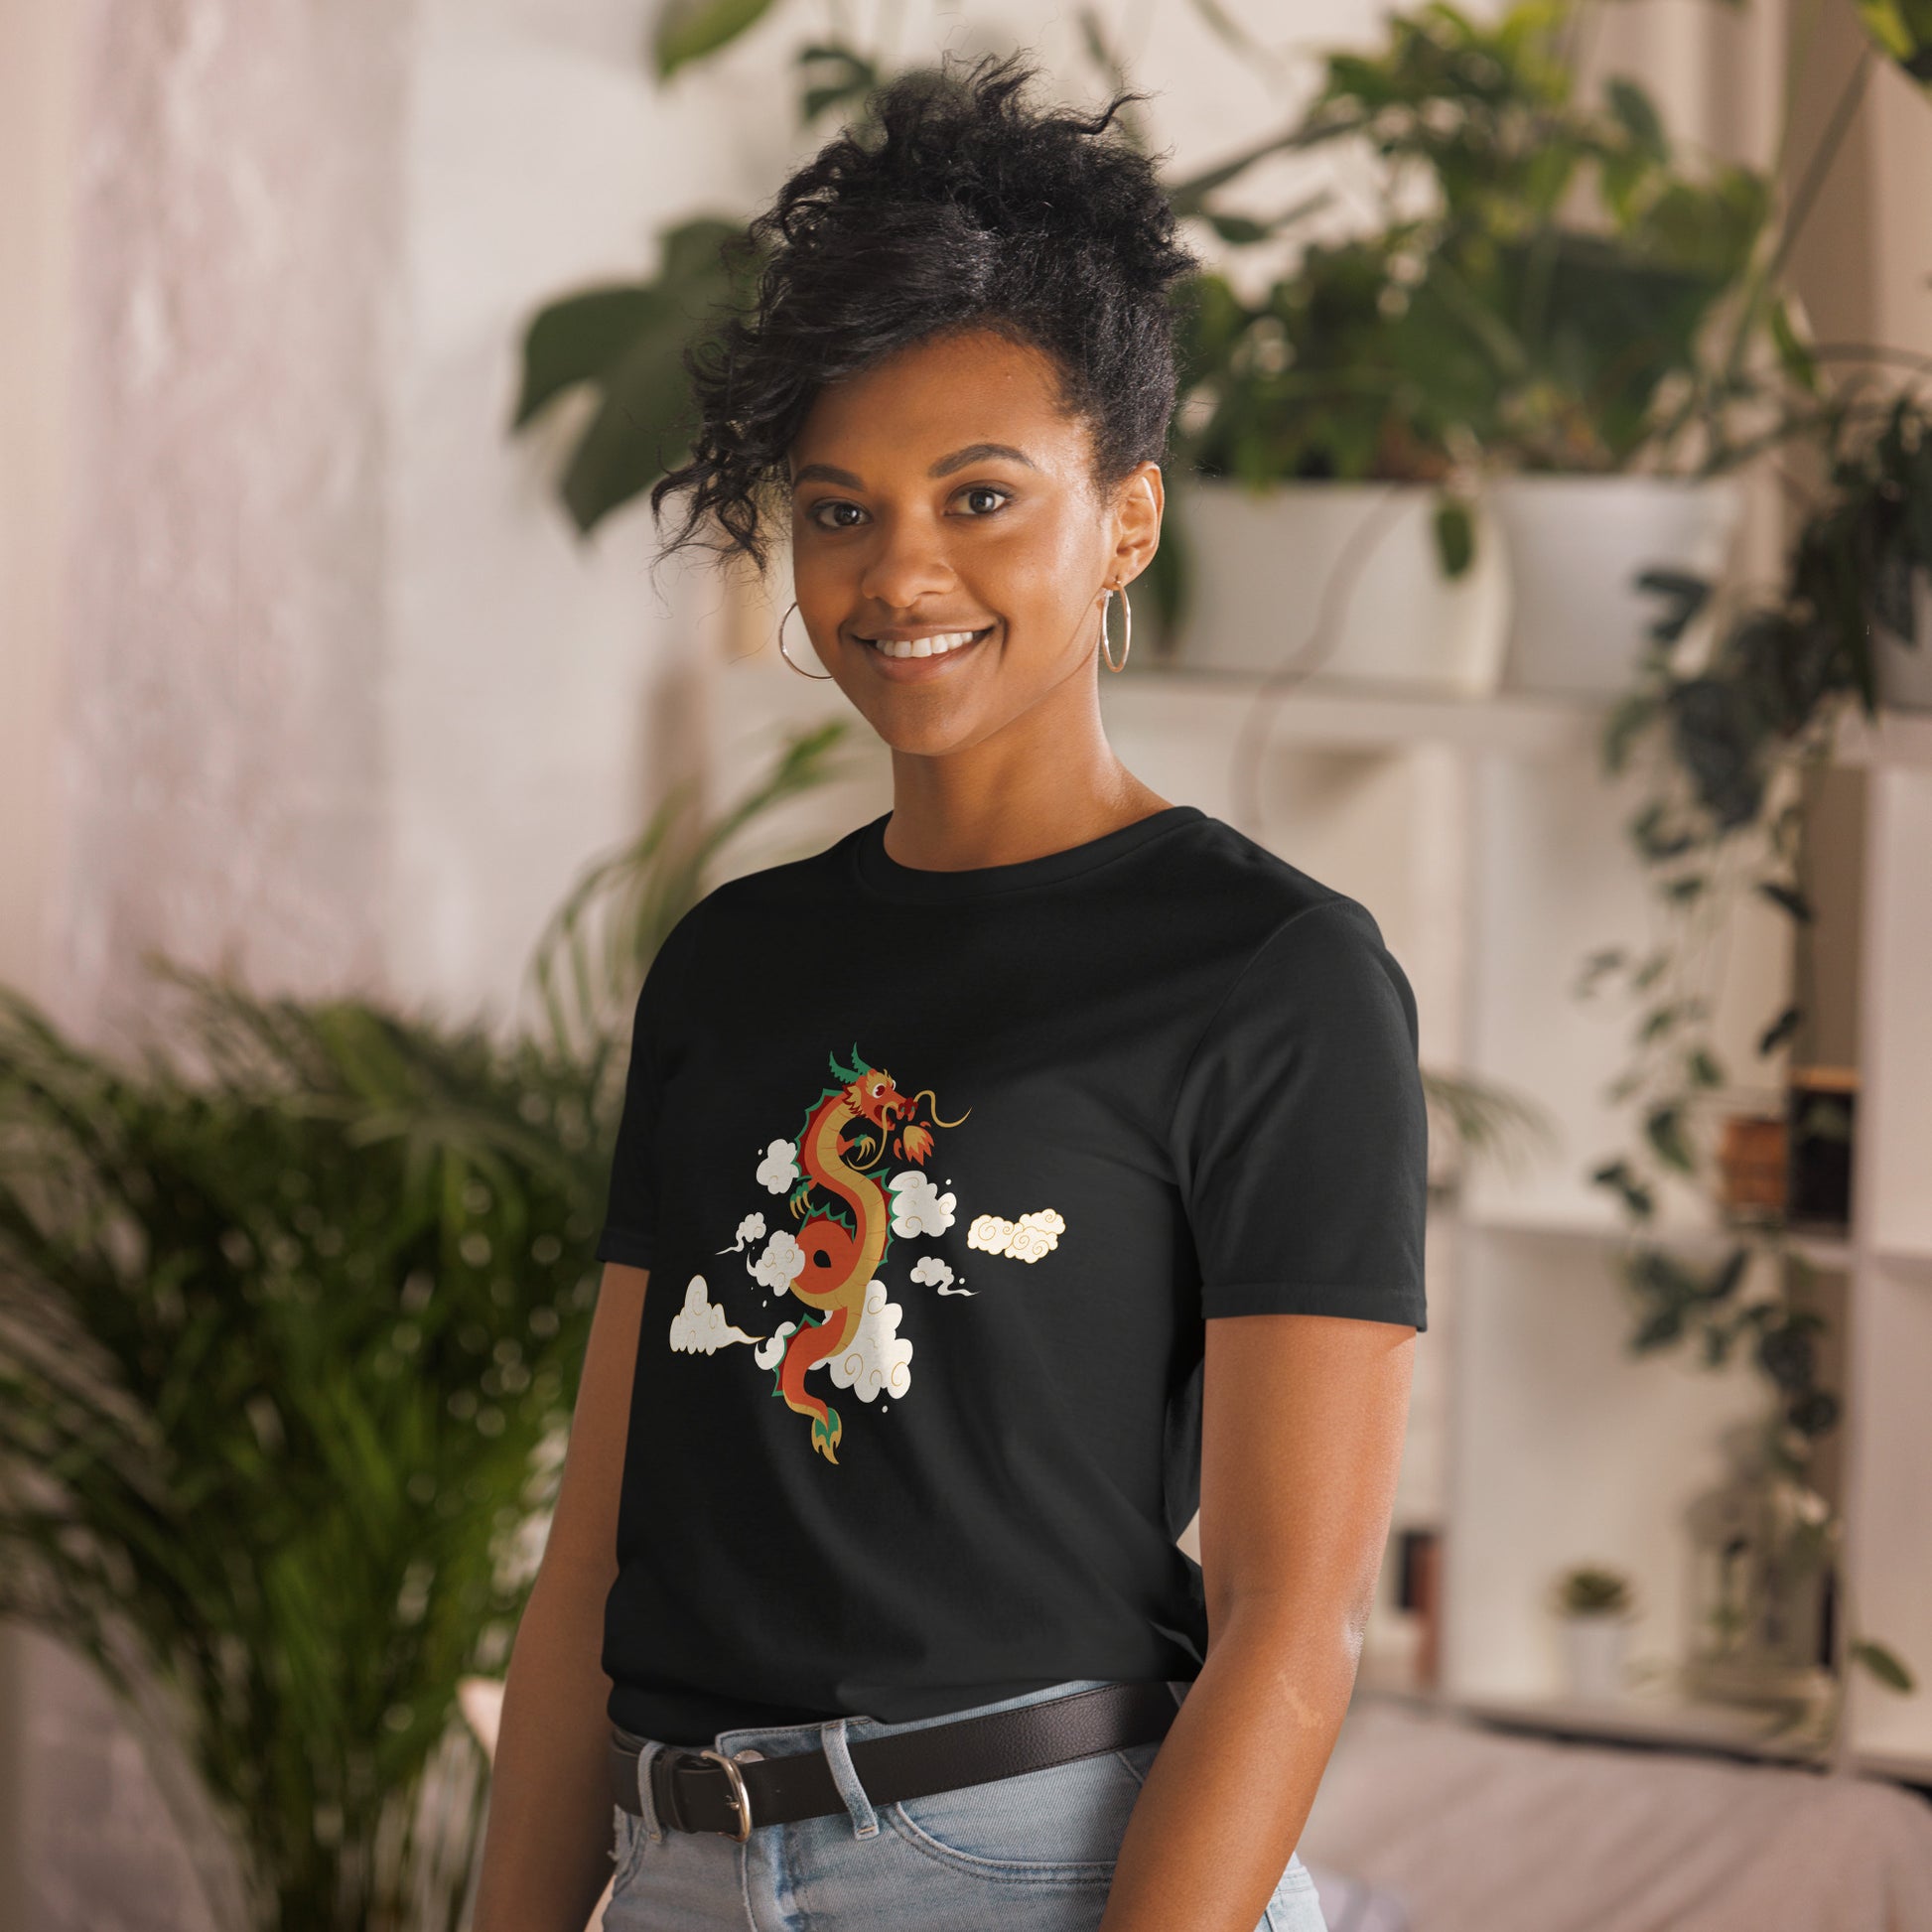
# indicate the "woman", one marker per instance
pixel 1039 1162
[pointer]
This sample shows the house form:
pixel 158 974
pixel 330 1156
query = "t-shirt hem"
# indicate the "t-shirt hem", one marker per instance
pixel 1367 1303
pixel 627 1249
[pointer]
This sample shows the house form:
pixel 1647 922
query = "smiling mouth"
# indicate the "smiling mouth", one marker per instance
pixel 935 643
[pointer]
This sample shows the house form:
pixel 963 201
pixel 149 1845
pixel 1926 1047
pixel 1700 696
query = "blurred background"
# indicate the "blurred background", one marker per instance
pixel 1548 565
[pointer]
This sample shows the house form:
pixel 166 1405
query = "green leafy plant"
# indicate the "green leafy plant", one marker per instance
pixel 291 1318
pixel 1728 744
pixel 1903 29
pixel 1590 1589
pixel 1548 309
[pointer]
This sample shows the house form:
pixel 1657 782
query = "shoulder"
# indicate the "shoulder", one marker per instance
pixel 788 881
pixel 720 915
pixel 1264 904
pixel 1294 953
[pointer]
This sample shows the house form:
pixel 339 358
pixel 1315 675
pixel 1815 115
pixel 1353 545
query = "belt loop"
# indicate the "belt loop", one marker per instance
pixel 838 1754
pixel 645 1758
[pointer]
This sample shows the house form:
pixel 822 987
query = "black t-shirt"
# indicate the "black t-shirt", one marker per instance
pixel 938 1175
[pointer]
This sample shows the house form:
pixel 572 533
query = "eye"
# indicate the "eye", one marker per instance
pixel 876 1091
pixel 831 504
pixel 987 489
pixel 841 503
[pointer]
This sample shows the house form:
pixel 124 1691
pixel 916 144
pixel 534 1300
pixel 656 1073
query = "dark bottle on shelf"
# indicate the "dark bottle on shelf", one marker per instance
pixel 1820 1113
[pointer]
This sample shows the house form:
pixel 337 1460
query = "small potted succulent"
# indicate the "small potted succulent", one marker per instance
pixel 1594 1606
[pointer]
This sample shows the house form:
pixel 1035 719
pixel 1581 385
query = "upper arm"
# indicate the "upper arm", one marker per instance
pixel 1302 1425
pixel 584 1530
pixel 1300 1131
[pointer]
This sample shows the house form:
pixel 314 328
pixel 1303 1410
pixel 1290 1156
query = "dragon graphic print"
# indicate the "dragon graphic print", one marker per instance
pixel 855 1190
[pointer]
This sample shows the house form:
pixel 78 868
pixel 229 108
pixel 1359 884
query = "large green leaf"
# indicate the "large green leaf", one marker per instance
pixel 641 426
pixel 1903 29
pixel 688 30
pixel 629 342
pixel 576 339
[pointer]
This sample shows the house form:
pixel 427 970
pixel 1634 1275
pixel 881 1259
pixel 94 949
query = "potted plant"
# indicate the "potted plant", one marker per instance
pixel 1321 495
pixel 291 1320
pixel 1544 322
pixel 1594 1606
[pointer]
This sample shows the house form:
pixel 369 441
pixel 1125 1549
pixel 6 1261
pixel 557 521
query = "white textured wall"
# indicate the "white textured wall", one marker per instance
pixel 238 244
pixel 38 88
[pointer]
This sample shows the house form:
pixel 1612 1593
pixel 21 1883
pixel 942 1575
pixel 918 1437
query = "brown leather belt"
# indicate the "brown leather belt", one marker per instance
pixel 696 1789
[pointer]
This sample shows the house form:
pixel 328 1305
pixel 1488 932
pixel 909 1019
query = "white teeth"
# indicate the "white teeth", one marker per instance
pixel 932 645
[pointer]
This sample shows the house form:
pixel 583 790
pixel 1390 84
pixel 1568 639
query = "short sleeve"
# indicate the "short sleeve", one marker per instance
pixel 1299 1133
pixel 629 1229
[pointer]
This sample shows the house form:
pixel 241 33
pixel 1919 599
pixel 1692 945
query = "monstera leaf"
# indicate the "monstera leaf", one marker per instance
pixel 627 341
pixel 689 29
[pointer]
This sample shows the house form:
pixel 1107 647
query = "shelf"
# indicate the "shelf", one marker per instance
pixel 1344 713
pixel 1360 714
pixel 1661 1724
pixel 1830 1251
pixel 1485 836
pixel 1905 1258
pixel 1733 1730
pixel 1896 738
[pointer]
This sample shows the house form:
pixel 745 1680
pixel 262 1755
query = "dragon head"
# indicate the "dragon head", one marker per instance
pixel 872 1092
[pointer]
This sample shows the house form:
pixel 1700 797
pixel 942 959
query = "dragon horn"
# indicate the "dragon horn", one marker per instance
pixel 852 1072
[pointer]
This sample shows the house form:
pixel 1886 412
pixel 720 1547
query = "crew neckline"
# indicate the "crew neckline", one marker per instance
pixel 883 873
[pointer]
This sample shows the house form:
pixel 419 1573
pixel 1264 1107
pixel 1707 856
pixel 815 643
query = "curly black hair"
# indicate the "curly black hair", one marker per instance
pixel 960 207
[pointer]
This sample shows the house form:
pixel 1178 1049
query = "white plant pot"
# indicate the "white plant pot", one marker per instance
pixel 1356 562
pixel 1594 1654
pixel 1902 671
pixel 1576 546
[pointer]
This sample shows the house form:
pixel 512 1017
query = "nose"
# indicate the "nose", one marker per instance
pixel 907 563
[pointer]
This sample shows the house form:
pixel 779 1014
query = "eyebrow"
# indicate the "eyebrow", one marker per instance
pixel 946 464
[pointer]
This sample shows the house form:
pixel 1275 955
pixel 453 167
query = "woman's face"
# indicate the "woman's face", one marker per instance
pixel 944 492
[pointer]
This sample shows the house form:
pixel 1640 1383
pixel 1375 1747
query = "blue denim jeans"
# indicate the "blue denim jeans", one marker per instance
pixel 1029 1854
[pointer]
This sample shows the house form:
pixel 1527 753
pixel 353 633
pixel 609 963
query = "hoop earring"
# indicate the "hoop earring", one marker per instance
pixel 1127 634
pixel 816 676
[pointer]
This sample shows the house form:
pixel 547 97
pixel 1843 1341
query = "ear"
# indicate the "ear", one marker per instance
pixel 1136 512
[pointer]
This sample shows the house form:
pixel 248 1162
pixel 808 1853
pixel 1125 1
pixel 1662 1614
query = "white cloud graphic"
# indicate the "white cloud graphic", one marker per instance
pixel 770 1353
pixel 780 1168
pixel 930 1269
pixel 876 1360
pixel 782 1263
pixel 1025 1239
pixel 918 1207
pixel 699 1326
pixel 748 1229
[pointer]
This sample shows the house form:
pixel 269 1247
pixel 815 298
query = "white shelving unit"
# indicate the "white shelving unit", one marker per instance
pixel 1488 844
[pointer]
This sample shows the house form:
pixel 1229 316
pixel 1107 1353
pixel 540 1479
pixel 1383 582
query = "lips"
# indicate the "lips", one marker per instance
pixel 929 643
pixel 898 660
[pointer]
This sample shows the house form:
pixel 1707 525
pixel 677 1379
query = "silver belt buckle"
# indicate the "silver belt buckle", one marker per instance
pixel 741 1798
